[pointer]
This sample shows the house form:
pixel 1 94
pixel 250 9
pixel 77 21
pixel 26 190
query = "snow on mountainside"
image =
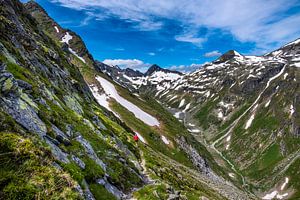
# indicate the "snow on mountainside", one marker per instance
pixel 240 101
pixel 133 80
pixel 111 92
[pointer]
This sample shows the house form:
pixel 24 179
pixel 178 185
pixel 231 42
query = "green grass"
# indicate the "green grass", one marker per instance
pixel 26 171
pixel 293 173
pixel 151 192
pixel 100 193
pixel 152 135
pixel 263 166
pixel 205 116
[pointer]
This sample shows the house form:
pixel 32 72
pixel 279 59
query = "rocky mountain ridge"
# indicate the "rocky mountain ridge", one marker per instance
pixel 239 101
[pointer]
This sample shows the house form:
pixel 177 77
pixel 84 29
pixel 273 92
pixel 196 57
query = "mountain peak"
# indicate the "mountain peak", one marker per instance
pixel 152 69
pixel 228 55
pixel 156 68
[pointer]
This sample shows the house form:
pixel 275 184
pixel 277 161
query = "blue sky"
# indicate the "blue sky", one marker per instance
pixel 176 34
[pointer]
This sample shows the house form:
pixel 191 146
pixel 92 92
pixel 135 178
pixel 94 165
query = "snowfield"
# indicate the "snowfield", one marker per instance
pixel 111 91
pixel 102 99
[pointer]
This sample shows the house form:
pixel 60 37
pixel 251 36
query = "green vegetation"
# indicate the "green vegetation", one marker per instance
pixel 27 172
pixel 205 116
pixel 265 163
pixel 152 192
pixel 100 193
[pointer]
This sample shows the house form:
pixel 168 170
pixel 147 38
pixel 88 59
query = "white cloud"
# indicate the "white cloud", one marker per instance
pixel 212 54
pixel 128 63
pixel 119 49
pixel 151 54
pixel 191 38
pixel 266 23
pixel 186 68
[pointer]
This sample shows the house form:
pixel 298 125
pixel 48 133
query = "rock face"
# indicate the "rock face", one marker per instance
pixel 155 68
pixel 44 97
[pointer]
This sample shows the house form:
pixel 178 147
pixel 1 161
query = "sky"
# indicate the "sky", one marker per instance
pixel 176 34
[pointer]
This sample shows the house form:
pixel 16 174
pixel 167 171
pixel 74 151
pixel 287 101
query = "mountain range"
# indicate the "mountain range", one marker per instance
pixel 229 130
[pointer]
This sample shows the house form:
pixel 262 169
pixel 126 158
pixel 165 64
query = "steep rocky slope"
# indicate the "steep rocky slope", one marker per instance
pixel 244 110
pixel 66 128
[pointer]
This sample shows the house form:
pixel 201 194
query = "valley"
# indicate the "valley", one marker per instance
pixel 228 130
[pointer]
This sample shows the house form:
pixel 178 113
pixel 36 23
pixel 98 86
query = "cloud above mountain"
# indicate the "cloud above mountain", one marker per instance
pixel 128 63
pixel 212 54
pixel 261 22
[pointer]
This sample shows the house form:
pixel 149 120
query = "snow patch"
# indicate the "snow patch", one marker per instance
pixel 102 99
pixel 231 175
pixel 174 97
pixel 187 107
pixel 292 43
pixel 141 137
pixel 227 147
pixel 220 114
pixel 75 54
pixel 249 122
pixel 66 38
pixel 292 110
pixel 268 103
pixel 274 194
pixel 181 103
pixel 270 196
pixel 192 125
pixel 285 75
pixel 177 114
pixel 165 140
pixel 297 64
pixel 194 130
pixel 57 30
pixel 111 91
pixel 228 138
pixel 286 181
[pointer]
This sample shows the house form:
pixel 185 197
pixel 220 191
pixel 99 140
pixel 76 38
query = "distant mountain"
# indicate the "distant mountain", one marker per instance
pixel 245 108
pixel 155 68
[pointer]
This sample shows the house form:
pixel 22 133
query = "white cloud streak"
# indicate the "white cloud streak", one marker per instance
pixel 212 54
pixel 261 22
pixel 186 68
pixel 128 63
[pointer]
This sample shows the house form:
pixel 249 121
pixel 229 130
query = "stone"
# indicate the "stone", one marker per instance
pixel 8 83
pixel 57 152
pixel 90 151
pixel 24 114
pixel 78 161
pixel 111 188
pixel 60 136
pixel 24 85
pixel 173 197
